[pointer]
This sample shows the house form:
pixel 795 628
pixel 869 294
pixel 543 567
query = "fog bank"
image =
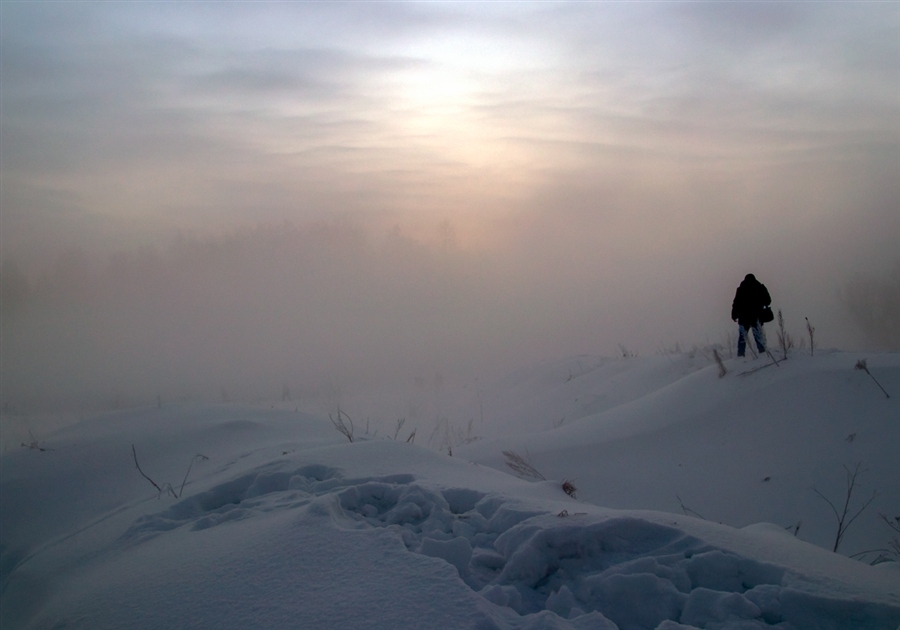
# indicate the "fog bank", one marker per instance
pixel 315 310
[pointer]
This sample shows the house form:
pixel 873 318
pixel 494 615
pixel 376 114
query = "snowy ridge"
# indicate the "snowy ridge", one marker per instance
pixel 737 450
pixel 288 525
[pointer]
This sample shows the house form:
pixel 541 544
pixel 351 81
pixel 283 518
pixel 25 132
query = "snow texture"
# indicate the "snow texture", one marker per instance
pixel 283 523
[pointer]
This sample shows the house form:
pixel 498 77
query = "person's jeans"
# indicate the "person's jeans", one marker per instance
pixel 742 339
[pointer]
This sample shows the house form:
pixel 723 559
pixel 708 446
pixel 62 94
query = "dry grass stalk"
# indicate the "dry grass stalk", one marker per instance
pixel 341 426
pixel 862 365
pixel 519 464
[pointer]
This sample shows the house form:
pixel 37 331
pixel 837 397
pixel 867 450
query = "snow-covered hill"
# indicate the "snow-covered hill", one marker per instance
pixel 280 522
pixel 667 433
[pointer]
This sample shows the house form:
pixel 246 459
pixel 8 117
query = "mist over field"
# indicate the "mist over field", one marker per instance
pixel 239 199
pixel 318 310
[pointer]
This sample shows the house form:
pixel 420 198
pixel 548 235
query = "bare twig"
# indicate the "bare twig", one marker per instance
pixel 894 543
pixel 772 356
pixel 184 481
pixel 340 425
pixel 34 445
pixel 167 486
pixel 861 365
pixel 893 523
pixel 796 528
pixel 757 369
pixel 143 474
pixel 844 519
pixel 687 509
pixel 891 553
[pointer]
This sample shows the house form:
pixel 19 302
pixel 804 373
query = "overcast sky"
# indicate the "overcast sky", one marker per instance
pixel 630 161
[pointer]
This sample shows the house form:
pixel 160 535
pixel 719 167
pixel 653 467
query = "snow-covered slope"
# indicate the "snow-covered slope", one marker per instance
pixel 280 522
pixel 755 445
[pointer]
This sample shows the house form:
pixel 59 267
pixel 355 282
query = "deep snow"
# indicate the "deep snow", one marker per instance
pixel 283 523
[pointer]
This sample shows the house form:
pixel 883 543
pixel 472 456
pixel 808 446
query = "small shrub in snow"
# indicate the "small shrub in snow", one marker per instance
pixel 569 488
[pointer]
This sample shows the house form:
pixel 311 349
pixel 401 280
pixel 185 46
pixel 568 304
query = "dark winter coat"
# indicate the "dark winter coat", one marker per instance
pixel 749 300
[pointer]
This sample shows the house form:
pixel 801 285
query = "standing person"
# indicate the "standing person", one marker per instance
pixel 750 309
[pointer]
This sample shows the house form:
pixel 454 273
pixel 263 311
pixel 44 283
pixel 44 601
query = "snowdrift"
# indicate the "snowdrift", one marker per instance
pixel 270 518
pixel 757 445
